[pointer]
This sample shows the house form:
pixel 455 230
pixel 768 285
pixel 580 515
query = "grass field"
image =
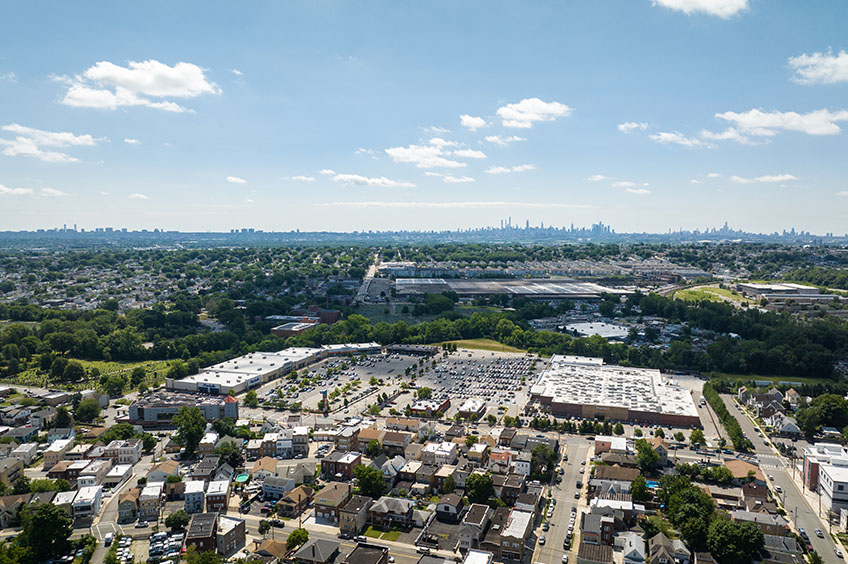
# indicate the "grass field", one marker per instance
pixel 155 374
pixel 710 293
pixel 484 345
pixel 775 379
pixel 373 533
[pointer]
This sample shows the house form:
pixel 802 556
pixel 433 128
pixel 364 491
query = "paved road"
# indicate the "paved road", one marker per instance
pixel 798 508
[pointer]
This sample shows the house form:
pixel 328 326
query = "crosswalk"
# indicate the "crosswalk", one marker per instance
pixel 772 461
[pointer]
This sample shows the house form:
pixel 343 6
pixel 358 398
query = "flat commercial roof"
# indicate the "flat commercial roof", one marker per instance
pixel 605 330
pixel 588 381
pixel 517 524
pixel 538 288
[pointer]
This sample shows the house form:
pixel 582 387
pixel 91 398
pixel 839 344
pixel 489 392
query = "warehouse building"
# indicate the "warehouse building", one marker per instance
pixel 158 409
pixel 576 386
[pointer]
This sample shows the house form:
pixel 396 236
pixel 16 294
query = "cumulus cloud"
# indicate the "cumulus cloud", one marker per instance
pixel 237 72
pixel 301 178
pixel 695 181
pixel 455 205
pixel 623 184
pixel 713 175
pixel 327 172
pixel 6 191
pixel 677 138
pixel 843 193
pixel 638 191
pixel 29 142
pixel 629 126
pixel 436 129
pixel 376 182
pixel 472 122
pixel 760 123
pixel 52 193
pixel 236 180
pixel 820 68
pixel 138 196
pixel 504 141
pixel 598 178
pixel 731 134
pixel 470 154
pixel 505 170
pixel 129 141
pixel 529 111
pixel 423 156
pixel 722 8
pixel 141 83
pixel 8 77
pixel 457 179
pixel 769 178
pixel 439 142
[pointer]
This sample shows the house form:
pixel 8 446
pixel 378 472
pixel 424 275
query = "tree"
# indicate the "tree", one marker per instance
pixel 618 429
pixel 177 520
pixel 74 371
pixel 639 489
pixel 21 486
pixel 424 393
pixel 449 485
pixel 679 437
pixel 479 488
pixel 370 480
pixel 659 433
pixel 190 426
pixel 732 542
pixel 46 530
pixel 297 538
pixel 57 369
pixel 696 437
pixel 491 419
pixel 148 442
pixel 637 432
pixel 63 418
pixel 173 479
pixel 88 410
pixel 114 386
pixel 373 449
pixel 264 527
pixel 137 376
pixel 542 462
pixel 251 399
pixel 208 557
pixel 646 457
pixel 470 440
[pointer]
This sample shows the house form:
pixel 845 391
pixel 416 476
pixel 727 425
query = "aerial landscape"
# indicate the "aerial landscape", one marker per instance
pixel 424 283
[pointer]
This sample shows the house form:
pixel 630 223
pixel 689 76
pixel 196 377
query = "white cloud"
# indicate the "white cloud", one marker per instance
pixel 598 178
pixel 455 205
pixel 504 170
pixel 623 184
pixel 301 178
pixel 638 191
pixel 6 191
pixel 721 8
pixel 132 141
pixel 376 182
pixel 530 110
pixel 423 156
pixel 629 126
pixel 776 178
pixel 820 68
pixel 843 193
pixel 431 173
pixel 676 138
pixel 29 142
pixel 758 122
pixel 248 201
pixel 713 175
pixel 457 179
pixel 695 181
pixel 472 122
pixel 52 193
pixel 504 141
pixel 470 154
pixel 439 142
pixel 731 134
pixel 436 129
pixel 8 77
pixel 364 151
pixel 236 180
pixel 104 193
pixel 740 180
pixel 138 196
pixel 237 72
pixel 144 83
pixel 327 172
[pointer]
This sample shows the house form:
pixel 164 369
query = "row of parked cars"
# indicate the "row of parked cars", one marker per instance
pixel 165 547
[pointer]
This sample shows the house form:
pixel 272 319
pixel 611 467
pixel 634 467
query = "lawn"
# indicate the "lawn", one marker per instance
pixel 775 379
pixel 484 345
pixel 373 533
pixel 692 295
pixel 710 294
pixel 155 374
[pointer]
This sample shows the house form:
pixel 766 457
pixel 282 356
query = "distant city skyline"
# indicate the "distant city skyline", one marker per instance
pixel 649 115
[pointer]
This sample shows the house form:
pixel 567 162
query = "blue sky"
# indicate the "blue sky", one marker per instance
pixel 320 115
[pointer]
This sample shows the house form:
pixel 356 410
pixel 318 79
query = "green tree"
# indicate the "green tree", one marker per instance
pixel 63 418
pixel 137 376
pixel 45 530
pixel 470 440
pixel 479 488
pixel 190 426
pixel 370 480
pixel 733 542
pixel 88 410
pixel 637 432
pixel 639 489
pixel 373 449
pixel 542 462
pixel 148 442
pixel 449 485
pixel 659 433
pixel 646 457
pixel 251 399
pixel 297 538
pixel 424 393
pixel 696 437
pixel 74 371
pixel 21 486
pixel 114 386
pixel 208 557
pixel 679 437
pixel 264 527
pixel 178 519
pixel 618 429
pixel 491 419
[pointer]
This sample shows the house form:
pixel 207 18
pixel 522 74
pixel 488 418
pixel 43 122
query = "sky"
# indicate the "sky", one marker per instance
pixel 647 115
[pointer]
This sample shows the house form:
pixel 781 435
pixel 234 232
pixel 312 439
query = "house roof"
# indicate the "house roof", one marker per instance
pixel 740 469
pixel 317 550
pixel 476 514
pixel 392 505
pixel 595 553
pixel 451 499
pixel 167 466
pixel 616 473
pixel 356 504
pixel 266 464
pixel 275 548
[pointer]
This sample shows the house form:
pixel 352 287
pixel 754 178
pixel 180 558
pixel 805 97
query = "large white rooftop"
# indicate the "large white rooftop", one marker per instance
pixel 217 487
pixel 588 381
pixel 517 524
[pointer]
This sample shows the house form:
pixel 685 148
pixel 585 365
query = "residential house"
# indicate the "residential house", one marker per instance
pixel 391 468
pixel 768 523
pixel 529 501
pixel 150 501
pixel 439 453
pixel 474 525
pixel 296 501
pixel 615 473
pixel 65 502
pixel 195 496
pixel 449 508
pixel 743 471
pixel 128 505
pixel 793 397
pixel 117 476
pixel 78 452
pixel 330 500
pixel 353 516
pixel 43 418
pixel 588 553
pixel 206 468
pixel 522 463
pixel 270 551
pixel 217 496
pixel 56 452
pixel 743 395
pixel 632 547
pixel 339 465
pixel 508 487
pixel 10 470
pixel 478 454
pixel 230 535
pixel 597 529
pixel 367 553
pixel 25 452
pixel 10 506
pixel 264 467
pixel 160 472
pixel 395 443
pixel 24 434
pixel 368 434
pixel 784 426
pixel 202 532
pixel 661 448
pixel 87 502
pixel 94 473
pixel 388 512
pixel 207 443
pixel 59 433
pixel 347 439
pixel 300 440
pixel 316 551
pixel 500 462
pixel 662 550
pixel 253 449
pixel 515 534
